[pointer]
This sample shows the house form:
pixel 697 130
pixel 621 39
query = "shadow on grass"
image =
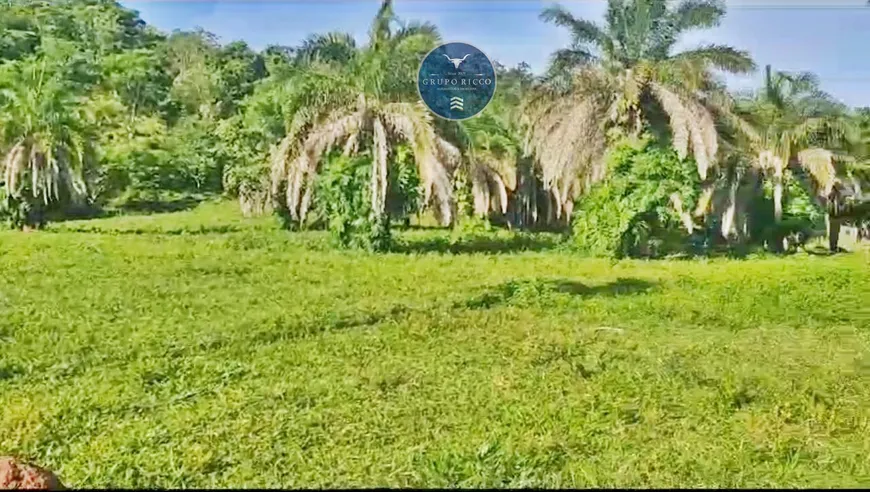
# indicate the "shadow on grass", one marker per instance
pixel 537 291
pixel 823 251
pixel 619 287
pixel 132 207
pixel 161 206
pixel 485 245
pixel 182 231
pixel 282 328
pixel 422 227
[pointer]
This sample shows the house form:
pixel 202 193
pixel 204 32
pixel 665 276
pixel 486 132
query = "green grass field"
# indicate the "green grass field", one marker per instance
pixel 200 349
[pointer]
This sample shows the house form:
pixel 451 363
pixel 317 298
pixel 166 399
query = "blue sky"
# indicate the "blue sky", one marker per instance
pixel 828 37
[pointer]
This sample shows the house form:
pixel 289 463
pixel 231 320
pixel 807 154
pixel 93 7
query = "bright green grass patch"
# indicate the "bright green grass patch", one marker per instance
pixel 202 349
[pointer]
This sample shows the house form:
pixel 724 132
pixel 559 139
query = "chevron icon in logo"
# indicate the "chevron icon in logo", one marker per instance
pixel 457 102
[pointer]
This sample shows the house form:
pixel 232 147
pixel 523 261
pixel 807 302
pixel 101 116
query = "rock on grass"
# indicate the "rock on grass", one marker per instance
pixel 15 474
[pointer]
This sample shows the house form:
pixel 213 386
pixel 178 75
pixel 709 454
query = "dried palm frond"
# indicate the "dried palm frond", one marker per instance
pixel 679 118
pixel 502 193
pixel 449 155
pixel 705 200
pixel 48 168
pixel 488 188
pixel 686 219
pixel 691 123
pixel 280 160
pixel 728 228
pixel 770 160
pixel 379 167
pixel 434 156
pixel 567 137
pixel 254 198
pixel 14 165
pixel 567 131
pixel 296 165
pixel 820 164
pixel 351 146
pixel 480 191
pixel 709 139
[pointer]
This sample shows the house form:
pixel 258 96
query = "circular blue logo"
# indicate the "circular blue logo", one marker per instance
pixel 456 81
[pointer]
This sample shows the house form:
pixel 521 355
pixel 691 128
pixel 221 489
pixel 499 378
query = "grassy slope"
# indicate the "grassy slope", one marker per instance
pixel 201 349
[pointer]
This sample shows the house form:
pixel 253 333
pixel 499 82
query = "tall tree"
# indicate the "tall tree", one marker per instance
pixel 625 74
pixel 492 144
pixel 192 58
pixel 795 125
pixel 45 135
pixel 368 102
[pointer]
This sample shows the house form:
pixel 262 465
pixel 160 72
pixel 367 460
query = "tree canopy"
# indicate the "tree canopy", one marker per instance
pixel 100 110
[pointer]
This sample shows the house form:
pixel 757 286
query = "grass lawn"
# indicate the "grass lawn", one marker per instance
pixel 200 349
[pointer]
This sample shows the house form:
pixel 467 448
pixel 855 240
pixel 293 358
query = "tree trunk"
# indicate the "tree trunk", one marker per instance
pixel 569 209
pixel 379 168
pixel 533 204
pixel 558 211
pixel 729 228
pixel 777 210
pixel 833 226
pixel 777 198
pixel 551 209
pixel 677 203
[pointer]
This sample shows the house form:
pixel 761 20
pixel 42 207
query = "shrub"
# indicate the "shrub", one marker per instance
pixel 629 213
pixel 20 213
pixel 801 213
pixel 404 191
pixel 343 202
pixel 470 229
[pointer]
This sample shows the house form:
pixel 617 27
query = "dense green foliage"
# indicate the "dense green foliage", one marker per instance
pixel 343 201
pixel 109 110
pixel 404 189
pixel 203 349
pixel 631 212
pixel 99 111
pixel 625 76
pixel 362 100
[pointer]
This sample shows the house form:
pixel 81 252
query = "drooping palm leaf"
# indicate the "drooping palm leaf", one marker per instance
pixel 44 131
pixel 638 73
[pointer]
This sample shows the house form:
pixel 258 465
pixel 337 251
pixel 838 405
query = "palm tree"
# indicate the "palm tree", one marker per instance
pixel 861 168
pixel 492 143
pixel 363 103
pixel 794 125
pixel 624 75
pixel 493 160
pixel 43 138
pixel 333 47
